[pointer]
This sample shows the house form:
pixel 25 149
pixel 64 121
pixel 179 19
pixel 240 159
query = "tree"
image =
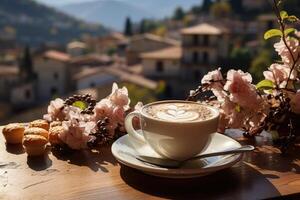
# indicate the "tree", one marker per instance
pixel 206 6
pixel 25 65
pixel 142 26
pixel 161 31
pixel 128 27
pixel 178 13
pixel 237 6
pixel 260 64
pixel 220 9
pixel 240 57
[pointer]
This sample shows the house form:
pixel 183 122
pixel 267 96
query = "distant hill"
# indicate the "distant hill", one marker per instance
pixel 113 12
pixel 33 23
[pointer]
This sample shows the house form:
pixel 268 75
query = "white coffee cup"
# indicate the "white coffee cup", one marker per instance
pixel 178 140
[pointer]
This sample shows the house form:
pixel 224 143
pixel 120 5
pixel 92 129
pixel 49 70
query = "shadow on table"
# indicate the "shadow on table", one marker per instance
pixel 94 159
pixel 15 148
pixel 242 182
pixel 39 163
pixel 270 158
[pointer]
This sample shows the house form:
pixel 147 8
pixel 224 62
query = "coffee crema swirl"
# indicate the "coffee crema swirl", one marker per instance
pixel 179 112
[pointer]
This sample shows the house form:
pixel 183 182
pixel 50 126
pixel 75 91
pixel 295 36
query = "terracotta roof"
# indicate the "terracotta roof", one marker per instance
pixel 91 58
pixel 204 29
pixel 7 70
pixel 57 55
pixel 172 53
pixel 119 73
pixel 156 38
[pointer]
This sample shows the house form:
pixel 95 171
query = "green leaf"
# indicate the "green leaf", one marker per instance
pixel 238 108
pixel 283 14
pixel 265 85
pixel 288 31
pixel 293 18
pixel 272 33
pixel 80 104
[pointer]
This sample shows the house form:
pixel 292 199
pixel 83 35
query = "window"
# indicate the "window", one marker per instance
pixel 195 57
pixel 195 40
pixel 55 76
pixel 205 57
pixel 205 40
pixel 27 94
pixel 53 91
pixel 197 75
pixel 159 66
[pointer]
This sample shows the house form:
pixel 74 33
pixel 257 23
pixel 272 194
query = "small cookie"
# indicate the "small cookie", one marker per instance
pixel 35 145
pixel 41 123
pixel 36 131
pixel 13 133
pixel 55 123
pixel 54 134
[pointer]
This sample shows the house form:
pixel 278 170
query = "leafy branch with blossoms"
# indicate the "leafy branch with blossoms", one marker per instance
pixel 273 104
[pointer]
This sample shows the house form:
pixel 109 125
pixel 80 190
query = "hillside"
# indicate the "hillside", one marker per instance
pixel 113 12
pixel 33 23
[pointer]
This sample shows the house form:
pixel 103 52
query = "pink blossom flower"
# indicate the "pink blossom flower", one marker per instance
pixel 104 108
pixel 213 80
pixel 76 134
pixel 119 96
pixel 283 51
pixel 118 114
pixel 295 102
pixel 54 110
pixel 279 73
pixel 241 90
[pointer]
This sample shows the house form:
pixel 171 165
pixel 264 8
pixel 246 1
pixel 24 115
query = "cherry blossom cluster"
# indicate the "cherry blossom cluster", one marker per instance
pixel 78 126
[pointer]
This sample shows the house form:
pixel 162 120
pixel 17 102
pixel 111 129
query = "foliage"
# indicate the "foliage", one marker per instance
pixel 178 14
pixel 240 57
pixel 128 27
pixel 259 63
pixel 161 30
pixel 220 9
pixel 138 93
pixel 206 5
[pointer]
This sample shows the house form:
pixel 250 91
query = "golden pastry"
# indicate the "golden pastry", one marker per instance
pixel 35 145
pixel 55 123
pixel 13 133
pixel 53 134
pixel 37 131
pixel 41 123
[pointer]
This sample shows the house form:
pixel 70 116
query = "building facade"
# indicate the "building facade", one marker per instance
pixel 203 47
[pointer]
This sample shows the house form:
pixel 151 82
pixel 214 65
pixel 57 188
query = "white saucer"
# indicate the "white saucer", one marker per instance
pixel 125 149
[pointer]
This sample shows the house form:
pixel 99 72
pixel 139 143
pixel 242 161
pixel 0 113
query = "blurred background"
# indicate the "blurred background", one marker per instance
pixel 158 49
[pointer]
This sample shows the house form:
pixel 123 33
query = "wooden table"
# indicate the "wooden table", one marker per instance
pixel 263 173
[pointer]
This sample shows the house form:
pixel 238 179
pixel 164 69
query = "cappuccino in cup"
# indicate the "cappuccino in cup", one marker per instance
pixel 175 129
pixel 178 112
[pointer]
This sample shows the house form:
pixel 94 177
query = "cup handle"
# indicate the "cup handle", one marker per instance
pixel 129 128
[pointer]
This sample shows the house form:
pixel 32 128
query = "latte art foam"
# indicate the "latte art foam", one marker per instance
pixel 179 112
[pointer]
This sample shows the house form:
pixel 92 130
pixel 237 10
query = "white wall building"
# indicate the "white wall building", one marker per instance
pixel 53 76
pixel 162 63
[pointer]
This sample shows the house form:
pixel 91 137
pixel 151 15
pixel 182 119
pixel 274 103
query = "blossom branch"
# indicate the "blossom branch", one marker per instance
pixel 282 28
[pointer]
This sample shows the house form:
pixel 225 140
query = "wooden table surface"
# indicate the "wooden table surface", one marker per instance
pixel 263 173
